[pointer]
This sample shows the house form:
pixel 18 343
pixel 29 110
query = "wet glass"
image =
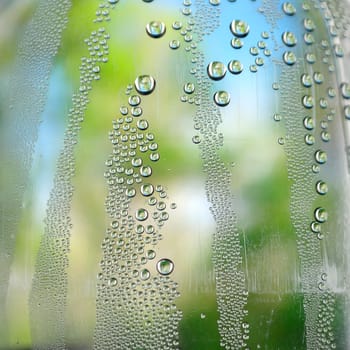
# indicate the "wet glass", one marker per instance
pixel 175 174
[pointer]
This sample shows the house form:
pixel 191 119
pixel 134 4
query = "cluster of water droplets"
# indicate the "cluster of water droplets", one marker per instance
pixel 135 294
pixel 47 301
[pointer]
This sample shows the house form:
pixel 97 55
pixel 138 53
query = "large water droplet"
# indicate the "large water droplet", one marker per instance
pixel 308 101
pixel 216 70
pixel 145 84
pixel 235 67
pixel 321 187
pixel 155 29
pixel 321 157
pixel 321 215
pixel 289 39
pixel 239 28
pixel 289 58
pixel 345 90
pixel 309 123
pixel 165 266
pixel 147 190
pixel 288 8
pixel 146 171
pixel 222 98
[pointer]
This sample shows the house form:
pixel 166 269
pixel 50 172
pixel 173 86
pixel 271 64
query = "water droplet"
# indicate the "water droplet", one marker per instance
pixel 267 52
pixel 321 187
pixel 136 111
pixel 177 25
pixel 154 157
pixel 321 157
pixel 310 58
pixel 155 29
pixel 309 123
pixel 324 276
pixel 308 101
pixel 309 139
pixel 277 117
pixel 146 171
pixel 151 254
pixel 309 38
pixel 318 78
pixel 142 124
pixel 325 136
pixel 130 192
pixel 254 50
pixel 202 316
pixel 315 168
pixel 145 84
pixel 315 227
pixel 216 70
pixel 136 162
pixel 331 92
pixel 306 80
pixel 289 39
pixel 222 98
pixel 338 49
pixel 323 103
pixel 347 112
pixel 134 100
pixel 259 61
pixel 236 43
pixel 165 266
pixel 196 139
pixel 214 2
pixel 275 86
pixel 289 58
pixel 174 44
pixel 141 214
pixel 189 88
pixel 345 90
pixel 235 67
pixel 112 282
pixel 145 274
pixel 173 206
pixel 239 28
pixel 309 24
pixel 288 9
pixel 321 215
pixel 147 190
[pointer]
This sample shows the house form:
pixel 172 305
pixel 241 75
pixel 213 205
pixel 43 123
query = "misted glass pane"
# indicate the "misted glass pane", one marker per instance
pixel 175 174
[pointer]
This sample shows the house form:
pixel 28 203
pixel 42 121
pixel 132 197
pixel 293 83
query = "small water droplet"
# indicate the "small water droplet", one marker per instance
pixel 216 70
pixel 309 24
pixel 151 254
pixel 254 50
pixel 309 38
pixel 174 44
pixel 315 227
pixel 196 139
pixel 214 2
pixel 325 136
pixel 145 274
pixel 141 214
pixel 235 67
pixel 318 78
pixel 289 39
pixel 338 49
pixel 147 190
pixel 321 215
pixel 112 282
pixel 236 43
pixel 275 86
pixel 321 157
pixel 222 98
pixel 165 266
pixel 277 117
pixel 281 141
pixel 321 187
pixel 145 84
pixel 289 58
pixel 203 316
pixel 239 28
pixel 189 88
pixel 134 100
pixel 155 29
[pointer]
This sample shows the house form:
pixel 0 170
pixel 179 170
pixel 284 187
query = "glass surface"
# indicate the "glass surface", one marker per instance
pixel 174 174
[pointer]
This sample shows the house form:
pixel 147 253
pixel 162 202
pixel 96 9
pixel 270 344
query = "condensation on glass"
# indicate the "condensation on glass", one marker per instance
pixel 175 175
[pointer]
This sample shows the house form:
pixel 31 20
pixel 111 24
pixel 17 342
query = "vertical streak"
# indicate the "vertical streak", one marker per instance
pixel 26 90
